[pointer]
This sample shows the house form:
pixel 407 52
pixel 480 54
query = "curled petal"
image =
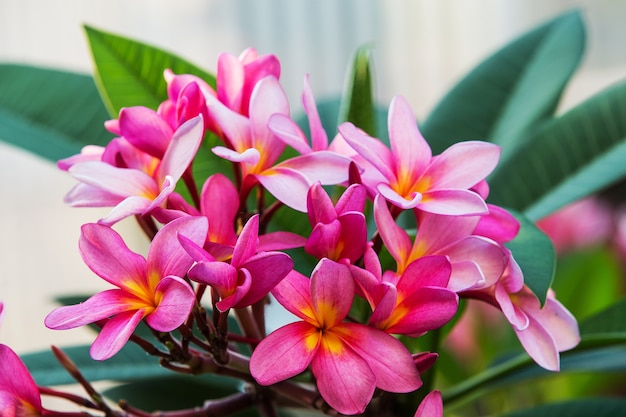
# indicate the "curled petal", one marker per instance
pixel 176 301
pixel 453 202
pixel 267 269
pixel 287 185
pixel 410 201
pixel 219 275
pixel 249 155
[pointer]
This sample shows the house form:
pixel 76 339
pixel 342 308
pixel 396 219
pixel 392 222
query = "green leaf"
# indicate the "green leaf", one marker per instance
pixel 357 105
pixel 511 92
pixel 130 73
pixel 131 363
pixel 569 158
pixel 596 407
pixel 50 113
pixel 609 321
pixel 535 255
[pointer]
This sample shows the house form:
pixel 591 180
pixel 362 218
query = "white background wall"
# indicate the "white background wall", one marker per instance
pixel 421 48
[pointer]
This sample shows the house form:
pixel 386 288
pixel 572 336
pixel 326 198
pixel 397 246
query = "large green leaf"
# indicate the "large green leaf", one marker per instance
pixel 512 91
pixel 50 113
pixel 357 105
pixel 130 73
pixel 535 255
pixel 572 156
pixel 592 407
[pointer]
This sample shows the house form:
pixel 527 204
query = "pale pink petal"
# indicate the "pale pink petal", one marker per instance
pixel 292 346
pixel 97 307
pixel 287 185
pixel 327 167
pixel 247 242
pixel 267 270
pixel 499 225
pixel 539 345
pixel 396 240
pixel 294 293
pixel 332 291
pixel 288 131
pixel 431 406
pixel 177 300
pixel 249 155
pixel 514 315
pixel 371 149
pixel 465 275
pixel 414 200
pixel 436 232
pixel 145 129
pixel 319 138
pixel 87 153
pixel 453 202
pixel 114 335
pixel 410 150
pixel 182 149
pixel 235 126
pixel 127 207
pixel 463 165
pixel 280 240
pixel 487 254
pixel 344 378
pixel 16 379
pixel 230 78
pixel 220 275
pixel 106 254
pixel 388 358
pixel 84 195
pixel 118 181
pixel 166 256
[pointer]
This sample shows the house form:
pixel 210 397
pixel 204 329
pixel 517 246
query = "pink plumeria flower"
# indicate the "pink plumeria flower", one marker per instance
pixel 19 395
pixel 135 190
pixel 185 99
pixel 348 360
pixel 431 405
pixel 410 303
pixel 249 277
pixel 476 260
pixel 410 177
pixel 256 149
pixel 339 231
pixel 151 288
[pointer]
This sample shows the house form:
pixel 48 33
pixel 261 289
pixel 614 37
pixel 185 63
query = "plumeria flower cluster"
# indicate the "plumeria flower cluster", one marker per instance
pixel 216 252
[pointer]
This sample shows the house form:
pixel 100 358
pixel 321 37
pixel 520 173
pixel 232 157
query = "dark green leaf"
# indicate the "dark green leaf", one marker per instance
pixel 569 158
pixel 534 253
pixel 511 92
pixel 357 105
pixel 130 73
pixel 131 363
pixel 591 407
pixel 611 320
pixel 50 113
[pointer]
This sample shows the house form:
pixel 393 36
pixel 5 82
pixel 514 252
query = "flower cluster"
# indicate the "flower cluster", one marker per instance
pixel 374 283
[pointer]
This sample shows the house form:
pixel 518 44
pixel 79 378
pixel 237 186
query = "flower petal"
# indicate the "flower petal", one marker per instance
pixel 292 346
pixel 294 293
pixel 220 203
pixel 287 185
pixel 371 149
pixel 176 301
pixel 20 384
pixel 288 131
pixel 463 164
pixel 396 240
pixel 431 406
pixel 453 203
pixel 115 334
pixel 332 291
pixel 145 129
pixel 266 269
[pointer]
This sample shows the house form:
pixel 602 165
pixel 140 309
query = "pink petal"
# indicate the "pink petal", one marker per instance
pixel 327 167
pixel 323 240
pixel 514 315
pixel 177 300
pixel 426 309
pixel 280 240
pixel 292 346
pixel 248 155
pixel 463 165
pixel 288 131
pixel 320 207
pixel 431 406
pixel 353 199
pixel 106 254
pixel 404 202
pixel 84 195
pixel 97 307
pixel 182 149
pixel 371 149
pixel 234 300
pixel 235 127
pixel 123 182
pixel 453 203
pixel 294 293
pixel 384 306
pixel 166 256
pixel 410 150
pixel 388 358
pixel 319 138
pixel 499 225
pixel 220 203
pixel 287 185
pixel 247 242
pixel 129 206
pixel 465 275
pixel 344 378
pixel 16 379
pixel 145 129
pixel 230 78
pixel 115 334
pixel 539 345
pixel 396 240
pixel 432 270
pixel 220 275
pixel 332 291
pixel 437 232
pixel 353 235
pixel 487 254
pixel 267 269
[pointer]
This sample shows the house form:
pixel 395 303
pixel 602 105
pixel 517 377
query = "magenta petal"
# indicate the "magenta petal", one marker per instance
pixel 433 270
pixel 294 293
pixel 267 269
pixel 353 199
pixel 323 240
pixel 288 346
pixel 145 129
pixel 247 242
pixel 453 202
pixel 220 203
pixel 344 378
pixel 97 307
pixel 353 235
pixel 106 254
pixel 319 205
pixel 388 358
pixel 166 255
pixel 115 334
pixel 431 406
pixel 319 138
pixel 234 300
pixel 220 275
pixel 177 300
pixel 20 384
pixel 280 240
pixel 499 225
pixel 427 309
pixel 385 305
pixel 437 232
pixel 332 291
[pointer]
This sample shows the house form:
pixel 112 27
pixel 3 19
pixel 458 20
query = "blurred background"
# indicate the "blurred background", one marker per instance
pixel 420 48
